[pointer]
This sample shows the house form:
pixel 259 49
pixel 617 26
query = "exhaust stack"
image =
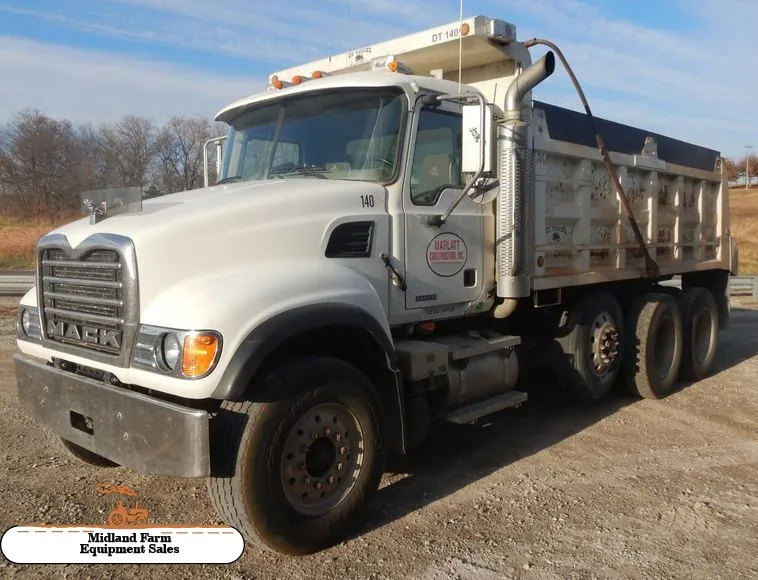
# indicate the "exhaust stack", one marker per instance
pixel 524 83
pixel 516 198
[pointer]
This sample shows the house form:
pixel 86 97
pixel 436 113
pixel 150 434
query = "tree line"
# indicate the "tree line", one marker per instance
pixel 45 163
pixel 736 169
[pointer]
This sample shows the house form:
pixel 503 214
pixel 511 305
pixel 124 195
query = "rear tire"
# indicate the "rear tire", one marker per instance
pixel 654 343
pixel 593 346
pixel 295 470
pixel 700 322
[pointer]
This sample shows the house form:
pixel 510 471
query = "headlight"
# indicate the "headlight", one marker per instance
pixel 171 350
pixel 28 327
pixel 26 321
pixel 185 354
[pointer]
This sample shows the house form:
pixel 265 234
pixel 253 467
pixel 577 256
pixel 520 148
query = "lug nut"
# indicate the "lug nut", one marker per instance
pixel 328 431
pixel 338 437
pixel 314 435
pixel 301 466
pixel 307 480
pixel 318 485
pixel 330 479
pixel 303 449
pixel 343 450
pixel 340 467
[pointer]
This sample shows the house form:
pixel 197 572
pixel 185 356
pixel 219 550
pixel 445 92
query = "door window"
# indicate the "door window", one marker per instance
pixel 436 156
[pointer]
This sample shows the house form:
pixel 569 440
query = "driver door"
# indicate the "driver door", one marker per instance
pixel 444 264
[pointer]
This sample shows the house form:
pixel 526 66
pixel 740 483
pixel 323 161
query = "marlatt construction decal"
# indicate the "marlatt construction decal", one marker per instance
pixel 127 538
pixel 446 254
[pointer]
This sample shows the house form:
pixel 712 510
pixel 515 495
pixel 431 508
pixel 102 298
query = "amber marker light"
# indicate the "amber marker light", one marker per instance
pixel 199 354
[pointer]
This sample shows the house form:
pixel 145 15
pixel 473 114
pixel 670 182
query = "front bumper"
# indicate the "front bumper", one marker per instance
pixel 142 433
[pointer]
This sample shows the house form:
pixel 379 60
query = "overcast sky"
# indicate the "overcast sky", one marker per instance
pixel 684 68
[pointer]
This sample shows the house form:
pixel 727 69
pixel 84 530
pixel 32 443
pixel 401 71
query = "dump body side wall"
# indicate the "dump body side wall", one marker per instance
pixel 581 234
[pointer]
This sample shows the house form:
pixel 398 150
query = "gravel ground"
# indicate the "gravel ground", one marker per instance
pixel 623 489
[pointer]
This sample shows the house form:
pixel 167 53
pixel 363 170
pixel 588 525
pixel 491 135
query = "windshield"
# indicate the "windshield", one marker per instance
pixel 346 134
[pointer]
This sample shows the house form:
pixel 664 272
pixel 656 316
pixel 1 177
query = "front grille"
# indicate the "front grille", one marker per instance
pixel 84 299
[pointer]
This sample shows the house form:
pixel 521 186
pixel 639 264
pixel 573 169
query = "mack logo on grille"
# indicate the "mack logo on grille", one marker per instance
pixel 81 333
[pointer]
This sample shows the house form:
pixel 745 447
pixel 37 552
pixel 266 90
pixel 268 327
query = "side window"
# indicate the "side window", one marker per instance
pixel 436 156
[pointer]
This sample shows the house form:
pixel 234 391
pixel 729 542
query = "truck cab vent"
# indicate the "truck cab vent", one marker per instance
pixel 351 240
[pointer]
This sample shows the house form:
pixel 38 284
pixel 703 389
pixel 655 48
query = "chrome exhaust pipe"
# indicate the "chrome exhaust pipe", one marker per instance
pixel 525 82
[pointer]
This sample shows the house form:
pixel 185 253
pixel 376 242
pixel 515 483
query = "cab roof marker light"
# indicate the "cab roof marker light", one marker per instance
pixel 419 50
pixel 278 83
pixel 390 63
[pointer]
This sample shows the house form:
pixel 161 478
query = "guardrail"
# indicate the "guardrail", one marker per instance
pixel 738 285
pixel 19 283
pixel 16 283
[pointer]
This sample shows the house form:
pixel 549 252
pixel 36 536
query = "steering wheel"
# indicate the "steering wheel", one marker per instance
pixel 387 162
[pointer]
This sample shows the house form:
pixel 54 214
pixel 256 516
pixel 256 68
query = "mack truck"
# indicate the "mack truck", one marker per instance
pixel 396 237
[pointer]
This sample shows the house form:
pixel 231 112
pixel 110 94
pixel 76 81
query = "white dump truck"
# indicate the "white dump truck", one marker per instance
pixel 397 236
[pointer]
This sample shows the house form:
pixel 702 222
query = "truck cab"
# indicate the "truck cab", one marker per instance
pixel 395 234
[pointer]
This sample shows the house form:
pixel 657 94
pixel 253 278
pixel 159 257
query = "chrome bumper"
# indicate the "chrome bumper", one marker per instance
pixel 142 433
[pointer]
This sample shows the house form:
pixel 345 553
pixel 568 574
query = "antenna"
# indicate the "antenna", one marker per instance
pixel 460 48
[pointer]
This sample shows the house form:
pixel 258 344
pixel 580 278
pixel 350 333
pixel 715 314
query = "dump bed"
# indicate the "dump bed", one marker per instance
pixel 678 193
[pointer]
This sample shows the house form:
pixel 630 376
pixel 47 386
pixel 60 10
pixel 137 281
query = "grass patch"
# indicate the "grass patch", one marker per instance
pixel 744 213
pixel 17 243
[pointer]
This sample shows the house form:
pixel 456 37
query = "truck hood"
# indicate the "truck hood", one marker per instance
pixel 196 233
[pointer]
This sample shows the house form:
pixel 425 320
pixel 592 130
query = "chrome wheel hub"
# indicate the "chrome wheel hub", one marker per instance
pixel 604 341
pixel 322 457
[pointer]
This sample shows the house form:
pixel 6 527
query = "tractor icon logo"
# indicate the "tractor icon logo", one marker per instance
pixel 123 515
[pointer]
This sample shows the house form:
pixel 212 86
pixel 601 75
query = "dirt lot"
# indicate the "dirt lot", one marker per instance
pixel 624 489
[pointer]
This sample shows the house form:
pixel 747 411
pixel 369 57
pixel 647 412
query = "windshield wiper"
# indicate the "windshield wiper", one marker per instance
pixel 300 169
pixel 229 179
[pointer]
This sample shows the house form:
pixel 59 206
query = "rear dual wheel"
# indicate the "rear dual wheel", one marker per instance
pixel 671 335
pixel 654 343
pixel 700 320
pixel 591 342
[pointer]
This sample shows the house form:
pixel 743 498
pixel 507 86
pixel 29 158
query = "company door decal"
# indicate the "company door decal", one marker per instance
pixel 446 255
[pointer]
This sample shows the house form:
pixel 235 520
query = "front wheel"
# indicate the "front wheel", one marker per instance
pixel 295 469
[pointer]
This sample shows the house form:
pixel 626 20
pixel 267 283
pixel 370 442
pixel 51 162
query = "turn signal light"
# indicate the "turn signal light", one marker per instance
pixel 297 79
pixel 317 74
pixel 393 66
pixel 199 354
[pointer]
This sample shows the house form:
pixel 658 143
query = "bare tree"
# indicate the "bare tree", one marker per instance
pixel 42 160
pixel 128 149
pixel 180 152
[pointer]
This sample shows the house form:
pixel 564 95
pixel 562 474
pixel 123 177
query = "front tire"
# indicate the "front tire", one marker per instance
pixel 78 453
pixel 296 469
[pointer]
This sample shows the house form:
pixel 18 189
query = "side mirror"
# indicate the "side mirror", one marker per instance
pixel 219 142
pixel 478 139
